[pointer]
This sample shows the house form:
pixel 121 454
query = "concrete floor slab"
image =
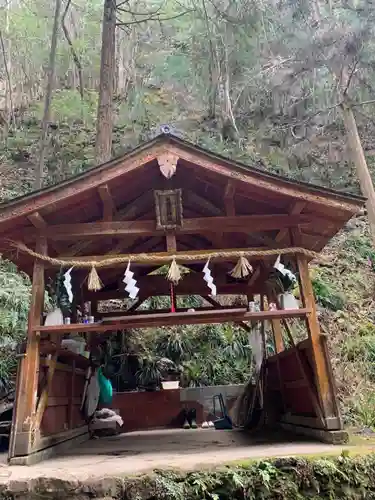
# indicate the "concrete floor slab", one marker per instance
pixel 140 452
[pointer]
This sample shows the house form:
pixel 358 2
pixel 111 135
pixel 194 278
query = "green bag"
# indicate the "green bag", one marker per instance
pixel 106 391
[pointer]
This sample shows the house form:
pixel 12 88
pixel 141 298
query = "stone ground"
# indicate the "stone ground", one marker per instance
pixel 141 452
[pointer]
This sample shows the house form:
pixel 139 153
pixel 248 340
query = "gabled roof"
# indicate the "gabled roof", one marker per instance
pixel 168 139
pixel 201 174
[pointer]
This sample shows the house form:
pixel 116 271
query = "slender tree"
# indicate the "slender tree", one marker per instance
pixel 48 96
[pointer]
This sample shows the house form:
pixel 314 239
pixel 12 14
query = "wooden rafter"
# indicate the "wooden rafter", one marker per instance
pixel 203 203
pixel 109 206
pixel 240 223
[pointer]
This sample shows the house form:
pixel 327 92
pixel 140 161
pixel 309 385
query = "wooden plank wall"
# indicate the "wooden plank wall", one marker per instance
pixel 291 386
pixel 63 408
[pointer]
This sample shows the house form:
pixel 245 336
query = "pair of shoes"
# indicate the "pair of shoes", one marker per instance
pixel 190 419
pixel 208 425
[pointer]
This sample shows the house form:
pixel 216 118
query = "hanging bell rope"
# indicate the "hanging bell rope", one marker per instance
pixel 94 283
pixel 242 269
pixel 174 272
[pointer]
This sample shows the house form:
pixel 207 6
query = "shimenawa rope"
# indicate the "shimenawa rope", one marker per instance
pixel 144 257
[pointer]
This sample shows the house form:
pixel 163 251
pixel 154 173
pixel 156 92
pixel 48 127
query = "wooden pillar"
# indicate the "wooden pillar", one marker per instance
pixel 276 328
pixel 320 365
pixel 28 390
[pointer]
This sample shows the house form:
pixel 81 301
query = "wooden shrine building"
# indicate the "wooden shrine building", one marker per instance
pixel 166 202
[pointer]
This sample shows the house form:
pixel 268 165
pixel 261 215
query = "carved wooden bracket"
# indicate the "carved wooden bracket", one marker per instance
pixel 168 164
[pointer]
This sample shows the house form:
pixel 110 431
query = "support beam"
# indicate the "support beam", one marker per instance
pixel 198 201
pixel 239 223
pixel 296 209
pixel 109 207
pixel 43 398
pixel 129 212
pixel 171 319
pixel 27 395
pixel 276 328
pixel 229 198
pixel 39 223
pixel 320 365
pixel 306 379
pixel 217 305
pixel 171 243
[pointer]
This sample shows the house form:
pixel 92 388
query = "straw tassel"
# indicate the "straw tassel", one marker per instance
pixel 242 269
pixel 94 282
pixel 174 272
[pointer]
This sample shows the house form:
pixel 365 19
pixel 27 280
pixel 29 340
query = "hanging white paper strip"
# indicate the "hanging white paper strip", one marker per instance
pixel 283 270
pixel 68 284
pixel 130 283
pixel 209 279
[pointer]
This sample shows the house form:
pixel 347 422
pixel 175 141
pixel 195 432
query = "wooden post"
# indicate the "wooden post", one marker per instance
pixel 27 395
pixel 71 397
pixel 276 329
pixel 320 365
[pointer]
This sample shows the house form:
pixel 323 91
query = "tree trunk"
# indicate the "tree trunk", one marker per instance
pixel 104 123
pixel 48 96
pixel 6 56
pixel 359 160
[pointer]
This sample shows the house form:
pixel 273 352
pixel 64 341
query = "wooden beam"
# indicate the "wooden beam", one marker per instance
pixel 203 203
pixel 310 385
pixel 43 398
pixel 109 207
pixel 276 328
pixel 30 373
pixel 296 209
pixel 171 319
pixel 37 220
pixel 39 223
pixel 276 186
pixel 320 366
pixel 75 187
pixel 239 223
pixel 217 305
pixel 229 198
pixel 72 396
pixel 171 243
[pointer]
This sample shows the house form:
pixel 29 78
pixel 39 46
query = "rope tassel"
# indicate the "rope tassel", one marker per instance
pixel 94 283
pixel 174 272
pixel 242 269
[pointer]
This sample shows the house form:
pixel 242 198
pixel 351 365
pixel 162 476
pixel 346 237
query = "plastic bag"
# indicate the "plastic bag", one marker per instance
pixel 106 391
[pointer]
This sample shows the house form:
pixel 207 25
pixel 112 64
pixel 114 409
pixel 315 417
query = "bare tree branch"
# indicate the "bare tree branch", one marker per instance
pixel 363 103
pixel 151 18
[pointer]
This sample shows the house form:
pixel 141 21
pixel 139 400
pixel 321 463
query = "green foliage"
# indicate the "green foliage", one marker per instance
pixel 344 478
pixel 326 296
pixel 361 410
pixel 67 108
pixel 361 250
pixel 361 349
pixel 14 308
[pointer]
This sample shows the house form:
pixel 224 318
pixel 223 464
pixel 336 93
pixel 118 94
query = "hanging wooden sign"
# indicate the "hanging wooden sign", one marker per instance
pixel 168 207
